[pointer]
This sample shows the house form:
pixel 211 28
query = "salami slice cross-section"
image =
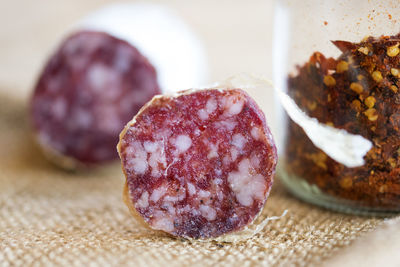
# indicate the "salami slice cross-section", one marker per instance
pixel 89 89
pixel 199 164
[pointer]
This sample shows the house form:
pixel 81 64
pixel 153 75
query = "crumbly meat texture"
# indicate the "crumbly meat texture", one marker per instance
pixel 200 164
pixel 358 92
pixel 89 89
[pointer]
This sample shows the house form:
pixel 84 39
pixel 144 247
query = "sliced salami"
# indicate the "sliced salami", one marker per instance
pixel 199 164
pixel 89 89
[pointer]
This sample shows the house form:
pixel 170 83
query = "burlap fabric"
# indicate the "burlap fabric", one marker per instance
pixel 52 217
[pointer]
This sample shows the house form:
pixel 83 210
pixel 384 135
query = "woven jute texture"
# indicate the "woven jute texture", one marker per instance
pixel 52 217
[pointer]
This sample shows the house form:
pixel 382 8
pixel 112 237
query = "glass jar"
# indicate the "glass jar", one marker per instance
pixel 340 62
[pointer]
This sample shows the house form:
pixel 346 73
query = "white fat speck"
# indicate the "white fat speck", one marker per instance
pixel 182 194
pixel 227 124
pixel 59 108
pixel 191 189
pixel 207 212
pixel 218 172
pixel 150 146
pixel 171 198
pixel 211 105
pixel 246 186
pixel 213 153
pixel 164 223
pixel 135 149
pixel 139 165
pixel 234 153
pixel 197 131
pixel 220 195
pixel 203 115
pixel 153 162
pixel 255 161
pixel 81 119
pixel 256 133
pixel 218 181
pixel 158 193
pixel 129 150
pixel 238 140
pixel 233 106
pixel 182 143
pixel 236 108
pixel 204 194
pixel 103 79
pixel 226 160
pixel 157 156
pixel 155 172
pixel 137 158
pixel 167 204
pixel 143 201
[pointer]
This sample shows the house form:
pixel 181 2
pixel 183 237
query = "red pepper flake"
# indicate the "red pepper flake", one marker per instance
pixel 369 107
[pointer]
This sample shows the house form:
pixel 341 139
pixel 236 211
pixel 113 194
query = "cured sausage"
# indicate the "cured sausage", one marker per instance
pixel 89 89
pixel 198 164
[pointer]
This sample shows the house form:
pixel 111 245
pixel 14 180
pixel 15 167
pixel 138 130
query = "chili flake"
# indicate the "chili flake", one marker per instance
pixel 369 106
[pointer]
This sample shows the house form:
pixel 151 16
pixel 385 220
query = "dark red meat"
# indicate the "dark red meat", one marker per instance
pixel 200 164
pixel 89 89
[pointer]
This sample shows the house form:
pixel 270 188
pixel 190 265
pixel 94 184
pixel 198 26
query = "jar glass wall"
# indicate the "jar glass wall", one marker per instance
pixel 340 62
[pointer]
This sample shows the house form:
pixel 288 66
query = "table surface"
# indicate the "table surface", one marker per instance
pixel 51 217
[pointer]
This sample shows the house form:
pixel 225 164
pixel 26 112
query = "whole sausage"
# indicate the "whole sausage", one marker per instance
pixel 89 89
